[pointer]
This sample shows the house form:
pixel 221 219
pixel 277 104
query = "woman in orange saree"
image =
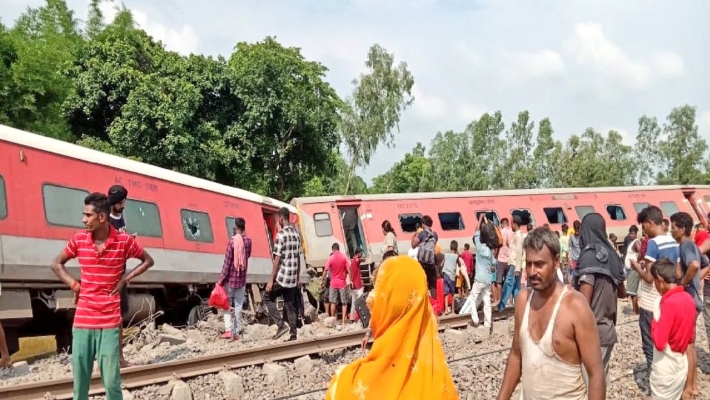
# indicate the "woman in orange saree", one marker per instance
pixel 406 360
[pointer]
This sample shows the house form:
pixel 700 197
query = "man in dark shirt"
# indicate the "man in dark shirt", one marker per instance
pixel 234 278
pixel 117 195
pixel 427 235
pixel 689 275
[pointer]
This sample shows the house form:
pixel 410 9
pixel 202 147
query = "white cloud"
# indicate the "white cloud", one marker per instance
pixel 183 40
pixel 467 112
pixel 667 63
pixel 429 106
pixel 524 66
pixel 581 65
pixel 593 50
pixel 704 123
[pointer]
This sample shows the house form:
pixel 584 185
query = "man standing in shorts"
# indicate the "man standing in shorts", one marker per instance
pixel 337 265
pixel 550 361
pixel 117 195
pixel 102 253
pixel 689 274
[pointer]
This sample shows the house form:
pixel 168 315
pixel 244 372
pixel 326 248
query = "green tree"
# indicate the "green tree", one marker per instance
pixel 290 114
pixel 333 180
pixel 592 160
pixel 40 47
pixel 682 149
pixel 546 156
pixel 519 164
pixel 487 151
pixel 373 111
pixel 406 176
pixel 646 151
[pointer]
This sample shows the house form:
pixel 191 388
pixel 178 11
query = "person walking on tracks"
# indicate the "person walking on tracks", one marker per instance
pixel 234 274
pixel 102 252
pixel 548 360
pixel 284 277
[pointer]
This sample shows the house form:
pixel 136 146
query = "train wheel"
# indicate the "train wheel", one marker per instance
pixel 198 313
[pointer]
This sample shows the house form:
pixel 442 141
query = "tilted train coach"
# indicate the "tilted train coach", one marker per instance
pixel 183 221
pixel 356 221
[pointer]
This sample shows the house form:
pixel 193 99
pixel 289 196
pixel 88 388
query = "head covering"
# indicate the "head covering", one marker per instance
pixel 406 360
pixel 597 256
pixel 117 194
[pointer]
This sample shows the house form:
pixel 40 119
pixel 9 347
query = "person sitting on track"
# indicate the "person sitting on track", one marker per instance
pixel 406 360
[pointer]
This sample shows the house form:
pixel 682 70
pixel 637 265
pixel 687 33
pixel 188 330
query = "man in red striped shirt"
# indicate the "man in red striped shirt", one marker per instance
pixel 102 252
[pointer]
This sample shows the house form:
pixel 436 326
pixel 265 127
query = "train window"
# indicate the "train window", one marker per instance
pixel 525 216
pixel 3 199
pixel 640 206
pixel 616 212
pixel 63 206
pixel 492 216
pixel 409 222
pixel 451 221
pixel 555 215
pixel 669 208
pixel 583 210
pixel 323 225
pixel 142 218
pixel 196 226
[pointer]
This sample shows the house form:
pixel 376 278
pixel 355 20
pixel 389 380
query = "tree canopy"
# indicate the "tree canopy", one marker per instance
pixel 265 118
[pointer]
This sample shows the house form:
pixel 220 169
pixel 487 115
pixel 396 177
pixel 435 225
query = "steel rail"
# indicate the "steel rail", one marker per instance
pixel 449 361
pixel 151 374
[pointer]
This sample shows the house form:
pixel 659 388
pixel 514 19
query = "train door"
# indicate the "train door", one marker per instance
pixel 353 232
pixel 697 204
pixel 271 227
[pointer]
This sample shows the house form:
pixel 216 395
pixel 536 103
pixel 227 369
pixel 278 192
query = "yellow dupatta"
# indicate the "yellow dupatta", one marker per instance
pixel 406 360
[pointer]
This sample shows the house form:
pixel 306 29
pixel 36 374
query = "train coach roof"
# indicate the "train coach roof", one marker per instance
pixel 67 149
pixel 483 193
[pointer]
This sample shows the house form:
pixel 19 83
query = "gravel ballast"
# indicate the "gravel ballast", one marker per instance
pixel 475 377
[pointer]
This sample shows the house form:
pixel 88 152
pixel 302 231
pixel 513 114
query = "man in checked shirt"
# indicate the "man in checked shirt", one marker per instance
pixel 234 273
pixel 284 277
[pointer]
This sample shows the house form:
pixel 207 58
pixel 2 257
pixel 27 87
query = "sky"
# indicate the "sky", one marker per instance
pixel 581 63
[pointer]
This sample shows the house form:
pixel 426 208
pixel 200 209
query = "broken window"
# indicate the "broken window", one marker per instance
pixel 196 226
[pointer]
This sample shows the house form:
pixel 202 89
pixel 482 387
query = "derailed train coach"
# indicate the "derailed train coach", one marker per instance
pixel 356 221
pixel 183 221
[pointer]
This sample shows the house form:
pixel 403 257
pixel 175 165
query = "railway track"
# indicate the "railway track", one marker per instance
pixel 146 375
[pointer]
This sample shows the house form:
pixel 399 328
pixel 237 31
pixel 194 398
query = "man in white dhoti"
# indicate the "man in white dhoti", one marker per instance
pixel 672 330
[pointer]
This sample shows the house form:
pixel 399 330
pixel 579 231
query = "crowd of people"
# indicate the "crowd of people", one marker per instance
pixel 568 280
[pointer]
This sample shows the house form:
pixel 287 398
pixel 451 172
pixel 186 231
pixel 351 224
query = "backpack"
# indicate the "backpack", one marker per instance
pixel 491 236
pixel 427 249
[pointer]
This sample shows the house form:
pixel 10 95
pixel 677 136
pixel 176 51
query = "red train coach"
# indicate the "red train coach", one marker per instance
pixel 356 221
pixel 183 221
